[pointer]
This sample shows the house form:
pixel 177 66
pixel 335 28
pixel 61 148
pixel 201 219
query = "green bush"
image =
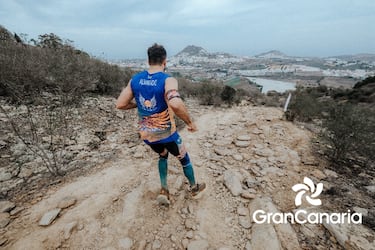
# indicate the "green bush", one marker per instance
pixel 228 95
pixel 306 104
pixel 349 132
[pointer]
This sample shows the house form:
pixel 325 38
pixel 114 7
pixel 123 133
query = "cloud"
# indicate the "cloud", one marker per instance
pixel 240 26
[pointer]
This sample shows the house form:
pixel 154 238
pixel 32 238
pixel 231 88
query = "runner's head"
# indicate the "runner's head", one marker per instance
pixel 157 55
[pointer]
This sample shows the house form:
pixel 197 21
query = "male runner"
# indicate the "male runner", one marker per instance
pixel 157 99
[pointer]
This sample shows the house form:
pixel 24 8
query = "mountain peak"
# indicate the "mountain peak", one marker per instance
pixel 272 54
pixel 192 50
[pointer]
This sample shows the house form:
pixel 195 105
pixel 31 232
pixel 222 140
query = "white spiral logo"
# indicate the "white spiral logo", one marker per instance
pixel 303 188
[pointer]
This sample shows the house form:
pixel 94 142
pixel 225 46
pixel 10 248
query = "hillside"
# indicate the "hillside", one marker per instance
pixel 192 50
pixel 248 156
pixel 273 54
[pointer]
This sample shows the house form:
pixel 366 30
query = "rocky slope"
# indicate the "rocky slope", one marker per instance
pixel 249 158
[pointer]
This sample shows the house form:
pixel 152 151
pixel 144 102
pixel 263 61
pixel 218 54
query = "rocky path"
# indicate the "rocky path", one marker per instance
pixel 249 158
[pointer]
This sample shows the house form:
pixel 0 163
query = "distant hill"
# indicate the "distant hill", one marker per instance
pixel 6 35
pixel 273 54
pixel 193 50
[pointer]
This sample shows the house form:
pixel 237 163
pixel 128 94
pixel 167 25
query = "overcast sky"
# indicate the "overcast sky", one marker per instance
pixel 125 28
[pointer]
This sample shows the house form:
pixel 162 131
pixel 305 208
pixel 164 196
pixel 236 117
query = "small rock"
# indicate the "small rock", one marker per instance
pixel 244 138
pixel 330 173
pixel 67 202
pixel 242 144
pixel 244 222
pixel 361 210
pixel 189 234
pixel 68 229
pixel 49 217
pixel 242 211
pixel 370 189
pixel 222 151
pixel 6 206
pixel 198 245
pixel 222 142
pixel 237 157
pixel 232 182
pixel 189 223
pixel 125 243
pixel 4 220
pixel 156 244
pixel 184 210
pixel 250 182
pixel 264 152
pixel 138 155
pixel 185 243
pixel 173 238
pixel 248 195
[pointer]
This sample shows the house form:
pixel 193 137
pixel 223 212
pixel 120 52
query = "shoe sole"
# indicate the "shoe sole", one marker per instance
pixel 163 200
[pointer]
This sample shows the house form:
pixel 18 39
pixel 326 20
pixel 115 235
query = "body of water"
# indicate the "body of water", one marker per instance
pixel 268 84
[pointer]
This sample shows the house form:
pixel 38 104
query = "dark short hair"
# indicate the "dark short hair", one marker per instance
pixel 156 54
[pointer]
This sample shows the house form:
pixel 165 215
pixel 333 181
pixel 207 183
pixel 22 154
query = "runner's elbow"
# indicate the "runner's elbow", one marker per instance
pixel 176 104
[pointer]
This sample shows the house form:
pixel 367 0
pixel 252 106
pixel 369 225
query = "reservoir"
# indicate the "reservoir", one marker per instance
pixel 268 84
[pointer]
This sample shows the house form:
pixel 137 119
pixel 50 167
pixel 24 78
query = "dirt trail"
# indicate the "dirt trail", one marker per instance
pixel 116 209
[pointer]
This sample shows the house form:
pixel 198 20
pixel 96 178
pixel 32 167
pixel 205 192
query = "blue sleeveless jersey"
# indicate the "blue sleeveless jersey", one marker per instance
pixel 156 121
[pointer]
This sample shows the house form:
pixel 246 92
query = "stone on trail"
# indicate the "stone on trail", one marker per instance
pixel 67 202
pixel 264 237
pixel 68 229
pixel 237 157
pixel 49 217
pixel 248 195
pixel 198 245
pixel 4 220
pixel 156 244
pixel 6 206
pixel 222 151
pixel 244 222
pixel 232 182
pixel 242 211
pixel 125 243
pixel 285 235
pixel 244 138
pixel 370 189
pixel 242 144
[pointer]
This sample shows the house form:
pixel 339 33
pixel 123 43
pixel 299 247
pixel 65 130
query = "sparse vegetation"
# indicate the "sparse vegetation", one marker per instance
pixel 55 66
pixel 347 120
pixel 46 78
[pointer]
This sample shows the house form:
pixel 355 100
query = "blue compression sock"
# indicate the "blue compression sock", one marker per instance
pixel 189 173
pixel 163 170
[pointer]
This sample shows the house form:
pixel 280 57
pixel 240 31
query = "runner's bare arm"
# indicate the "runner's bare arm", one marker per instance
pixel 124 101
pixel 178 105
